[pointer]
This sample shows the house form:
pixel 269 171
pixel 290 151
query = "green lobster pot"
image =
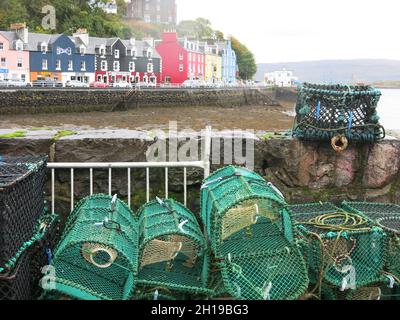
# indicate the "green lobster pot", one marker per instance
pixel 97 257
pixel 342 249
pixel 251 236
pixel 324 112
pixel 387 217
pixel 172 250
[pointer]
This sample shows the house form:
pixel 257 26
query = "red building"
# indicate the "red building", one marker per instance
pixel 181 59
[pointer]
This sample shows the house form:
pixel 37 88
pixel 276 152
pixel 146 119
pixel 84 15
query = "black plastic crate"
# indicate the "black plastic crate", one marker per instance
pixel 21 201
pixel 15 285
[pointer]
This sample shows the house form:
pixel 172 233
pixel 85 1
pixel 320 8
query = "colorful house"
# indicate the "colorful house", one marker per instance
pixel 14 54
pixel 125 60
pixel 60 58
pixel 195 59
pixel 229 61
pixel 174 59
pixel 213 68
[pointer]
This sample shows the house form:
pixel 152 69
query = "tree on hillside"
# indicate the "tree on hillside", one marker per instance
pixel 245 58
pixel 200 29
pixel 70 14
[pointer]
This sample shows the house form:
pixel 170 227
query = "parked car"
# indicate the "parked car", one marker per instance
pixel 194 84
pixel 98 84
pixel 122 84
pixel 14 83
pixel 47 83
pixel 76 84
pixel 146 85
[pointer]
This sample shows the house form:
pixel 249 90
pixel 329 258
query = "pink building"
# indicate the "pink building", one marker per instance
pixel 182 59
pixel 14 56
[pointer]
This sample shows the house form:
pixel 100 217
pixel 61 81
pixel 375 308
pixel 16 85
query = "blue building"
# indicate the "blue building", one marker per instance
pixel 229 61
pixel 60 57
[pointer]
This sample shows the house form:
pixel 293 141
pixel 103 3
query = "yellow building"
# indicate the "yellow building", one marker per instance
pixel 213 67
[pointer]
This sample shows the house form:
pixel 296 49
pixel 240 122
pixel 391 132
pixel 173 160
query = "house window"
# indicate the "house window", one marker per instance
pixel 116 54
pixel 82 50
pixel 150 67
pixel 167 79
pixel 43 47
pixel 181 67
pixel 132 66
pixel 147 18
pixel 116 65
pixel 1 46
pixel 3 62
pixel 19 63
pixel 102 51
pixel 133 53
pixel 70 65
pixel 181 56
pixel 83 65
pixel 149 53
pixel 23 77
pixel 44 64
pixel 19 46
pixel 103 65
pixel 58 64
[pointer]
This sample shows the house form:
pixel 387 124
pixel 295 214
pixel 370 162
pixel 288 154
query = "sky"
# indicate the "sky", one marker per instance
pixel 303 30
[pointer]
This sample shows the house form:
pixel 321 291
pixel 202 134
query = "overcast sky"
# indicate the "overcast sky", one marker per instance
pixel 297 30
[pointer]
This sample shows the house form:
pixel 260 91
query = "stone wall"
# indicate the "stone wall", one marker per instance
pixel 57 100
pixel 303 171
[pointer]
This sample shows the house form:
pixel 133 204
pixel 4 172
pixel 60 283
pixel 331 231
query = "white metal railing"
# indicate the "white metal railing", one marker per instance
pixel 202 164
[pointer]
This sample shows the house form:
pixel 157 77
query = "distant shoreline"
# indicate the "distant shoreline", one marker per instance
pixel 387 84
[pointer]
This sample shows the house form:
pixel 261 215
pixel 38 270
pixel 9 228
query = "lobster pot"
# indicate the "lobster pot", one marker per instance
pixel 326 111
pixel 42 252
pixel 251 236
pixel 387 217
pixel 374 291
pixel 16 285
pixel 172 250
pixel 97 255
pixel 21 201
pixel 345 249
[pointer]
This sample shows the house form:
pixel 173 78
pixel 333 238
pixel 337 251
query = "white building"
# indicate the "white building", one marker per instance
pixel 109 7
pixel 282 78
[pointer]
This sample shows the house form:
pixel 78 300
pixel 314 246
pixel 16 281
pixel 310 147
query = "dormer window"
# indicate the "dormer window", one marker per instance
pixel 19 46
pixel 102 51
pixel 1 46
pixel 43 47
pixel 116 54
pixel 133 53
pixel 82 50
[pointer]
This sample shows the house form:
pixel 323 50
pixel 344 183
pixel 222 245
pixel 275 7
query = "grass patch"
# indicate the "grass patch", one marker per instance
pixel 16 134
pixel 63 133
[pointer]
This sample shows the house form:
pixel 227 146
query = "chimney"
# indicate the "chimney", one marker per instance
pixel 132 41
pixel 82 34
pixel 21 30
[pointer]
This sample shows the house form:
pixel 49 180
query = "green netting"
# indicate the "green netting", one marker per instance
pixel 374 291
pixel 342 249
pixel 96 257
pixel 387 217
pixel 326 111
pixel 251 236
pixel 172 250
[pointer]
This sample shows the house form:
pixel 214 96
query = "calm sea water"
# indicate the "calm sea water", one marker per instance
pixel 389 108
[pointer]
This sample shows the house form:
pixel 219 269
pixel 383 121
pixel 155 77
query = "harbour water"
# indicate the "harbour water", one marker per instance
pixel 389 109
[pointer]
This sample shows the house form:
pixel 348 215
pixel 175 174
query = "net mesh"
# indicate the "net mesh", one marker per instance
pixel 251 236
pixel 341 249
pixel 387 217
pixel 21 201
pixel 172 250
pixel 95 258
pixel 325 111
